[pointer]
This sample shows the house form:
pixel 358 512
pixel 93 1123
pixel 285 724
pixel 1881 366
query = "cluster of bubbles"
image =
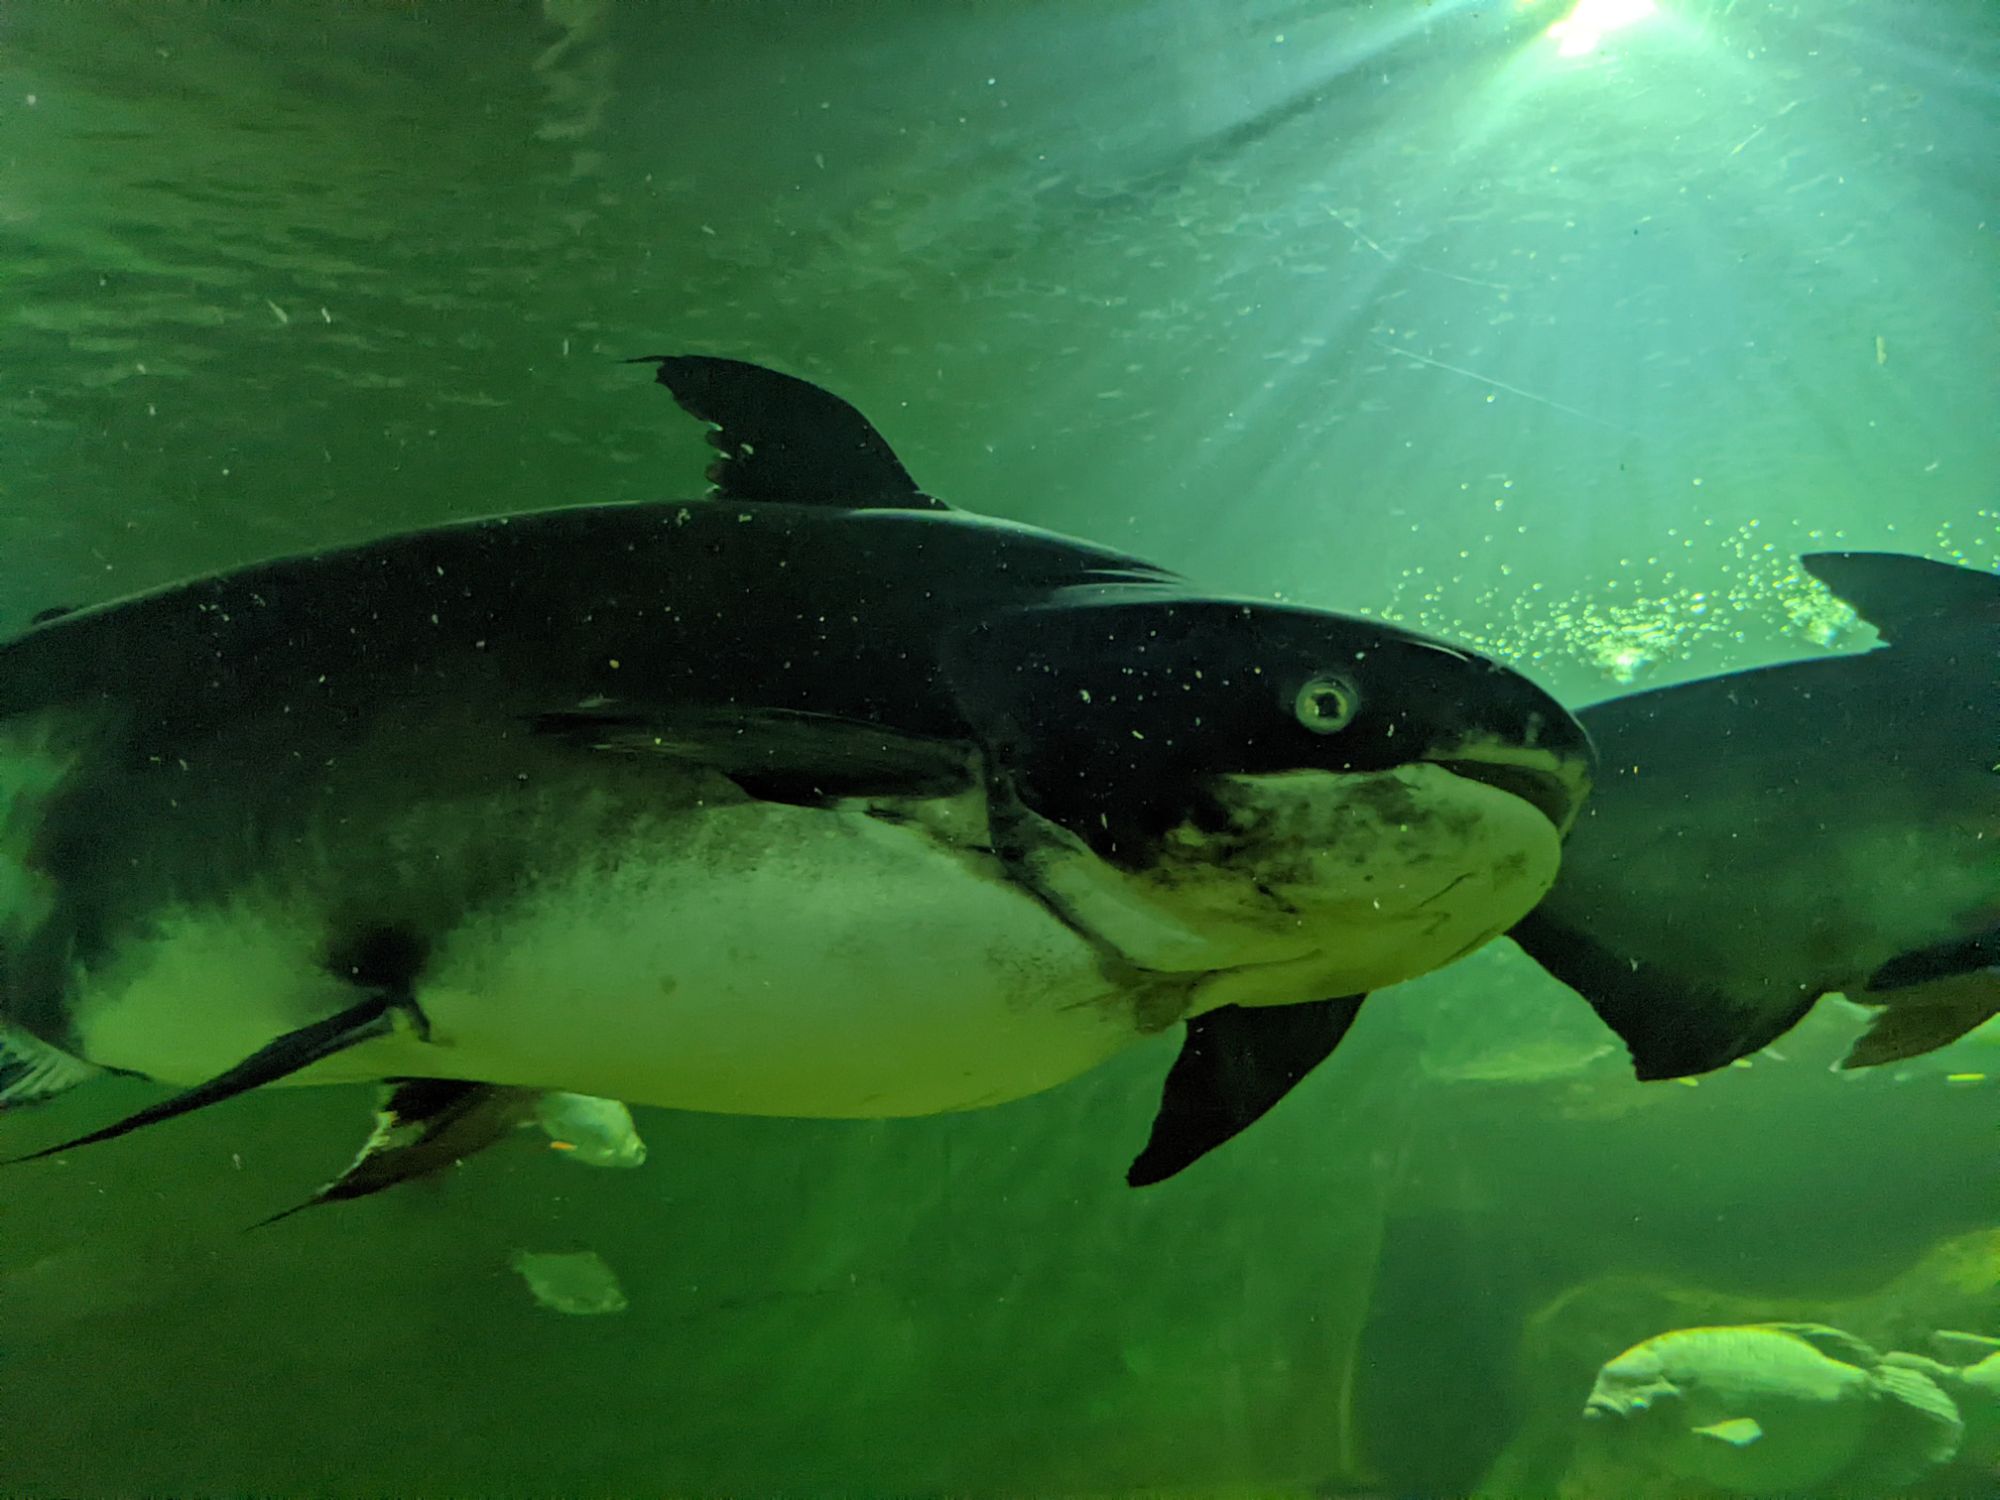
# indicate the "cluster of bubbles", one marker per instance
pixel 1760 597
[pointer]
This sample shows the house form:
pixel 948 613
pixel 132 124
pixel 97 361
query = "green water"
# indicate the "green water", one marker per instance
pixel 1379 307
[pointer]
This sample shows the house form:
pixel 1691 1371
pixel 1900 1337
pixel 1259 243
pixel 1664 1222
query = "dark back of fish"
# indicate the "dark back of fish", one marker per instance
pixel 206 735
pixel 1760 839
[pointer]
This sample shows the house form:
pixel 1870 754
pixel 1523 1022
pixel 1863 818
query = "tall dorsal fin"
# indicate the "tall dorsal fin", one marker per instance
pixel 785 439
pixel 1901 595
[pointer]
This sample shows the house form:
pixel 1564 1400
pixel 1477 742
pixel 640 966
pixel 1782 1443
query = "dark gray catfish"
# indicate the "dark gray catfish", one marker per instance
pixel 814 797
pixel 1763 838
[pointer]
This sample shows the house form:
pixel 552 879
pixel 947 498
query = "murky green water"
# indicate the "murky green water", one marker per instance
pixel 1381 307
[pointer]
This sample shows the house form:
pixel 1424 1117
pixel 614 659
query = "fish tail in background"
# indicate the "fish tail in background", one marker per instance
pixel 1673 1025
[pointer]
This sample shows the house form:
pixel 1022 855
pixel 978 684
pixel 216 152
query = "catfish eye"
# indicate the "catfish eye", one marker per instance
pixel 1327 705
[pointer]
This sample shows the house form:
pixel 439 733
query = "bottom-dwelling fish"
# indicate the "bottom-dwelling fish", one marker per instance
pixel 1773 1409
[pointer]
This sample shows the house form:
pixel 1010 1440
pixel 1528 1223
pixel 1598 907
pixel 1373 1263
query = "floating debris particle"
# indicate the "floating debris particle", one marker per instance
pixel 577 1282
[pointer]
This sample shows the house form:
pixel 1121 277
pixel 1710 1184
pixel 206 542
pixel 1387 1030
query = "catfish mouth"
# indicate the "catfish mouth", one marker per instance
pixel 1552 786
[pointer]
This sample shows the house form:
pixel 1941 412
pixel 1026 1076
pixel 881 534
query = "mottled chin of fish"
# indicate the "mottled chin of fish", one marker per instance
pixel 1555 791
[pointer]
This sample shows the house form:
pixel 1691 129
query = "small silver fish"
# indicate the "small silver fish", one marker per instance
pixel 595 1132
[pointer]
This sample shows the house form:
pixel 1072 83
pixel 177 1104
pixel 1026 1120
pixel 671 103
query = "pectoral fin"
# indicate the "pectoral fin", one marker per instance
pixel 1675 1025
pixel 373 1017
pixel 1235 1064
pixel 773 754
pixel 1737 1432
pixel 424 1125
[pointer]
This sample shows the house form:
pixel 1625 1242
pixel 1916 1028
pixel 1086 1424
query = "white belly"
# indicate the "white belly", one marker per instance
pixel 754 958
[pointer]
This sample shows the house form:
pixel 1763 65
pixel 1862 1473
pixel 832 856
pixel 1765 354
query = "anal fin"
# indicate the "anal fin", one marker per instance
pixel 1235 1064
pixel 424 1125
pixel 1924 1017
pixel 294 1050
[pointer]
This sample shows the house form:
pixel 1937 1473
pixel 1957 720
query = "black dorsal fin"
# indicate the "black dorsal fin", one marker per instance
pixel 1902 595
pixel 786 440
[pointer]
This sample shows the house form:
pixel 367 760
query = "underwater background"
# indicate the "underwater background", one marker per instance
pixel 1561 346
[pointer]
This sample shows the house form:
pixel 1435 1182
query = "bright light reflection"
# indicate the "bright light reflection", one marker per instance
pixel 1582 29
